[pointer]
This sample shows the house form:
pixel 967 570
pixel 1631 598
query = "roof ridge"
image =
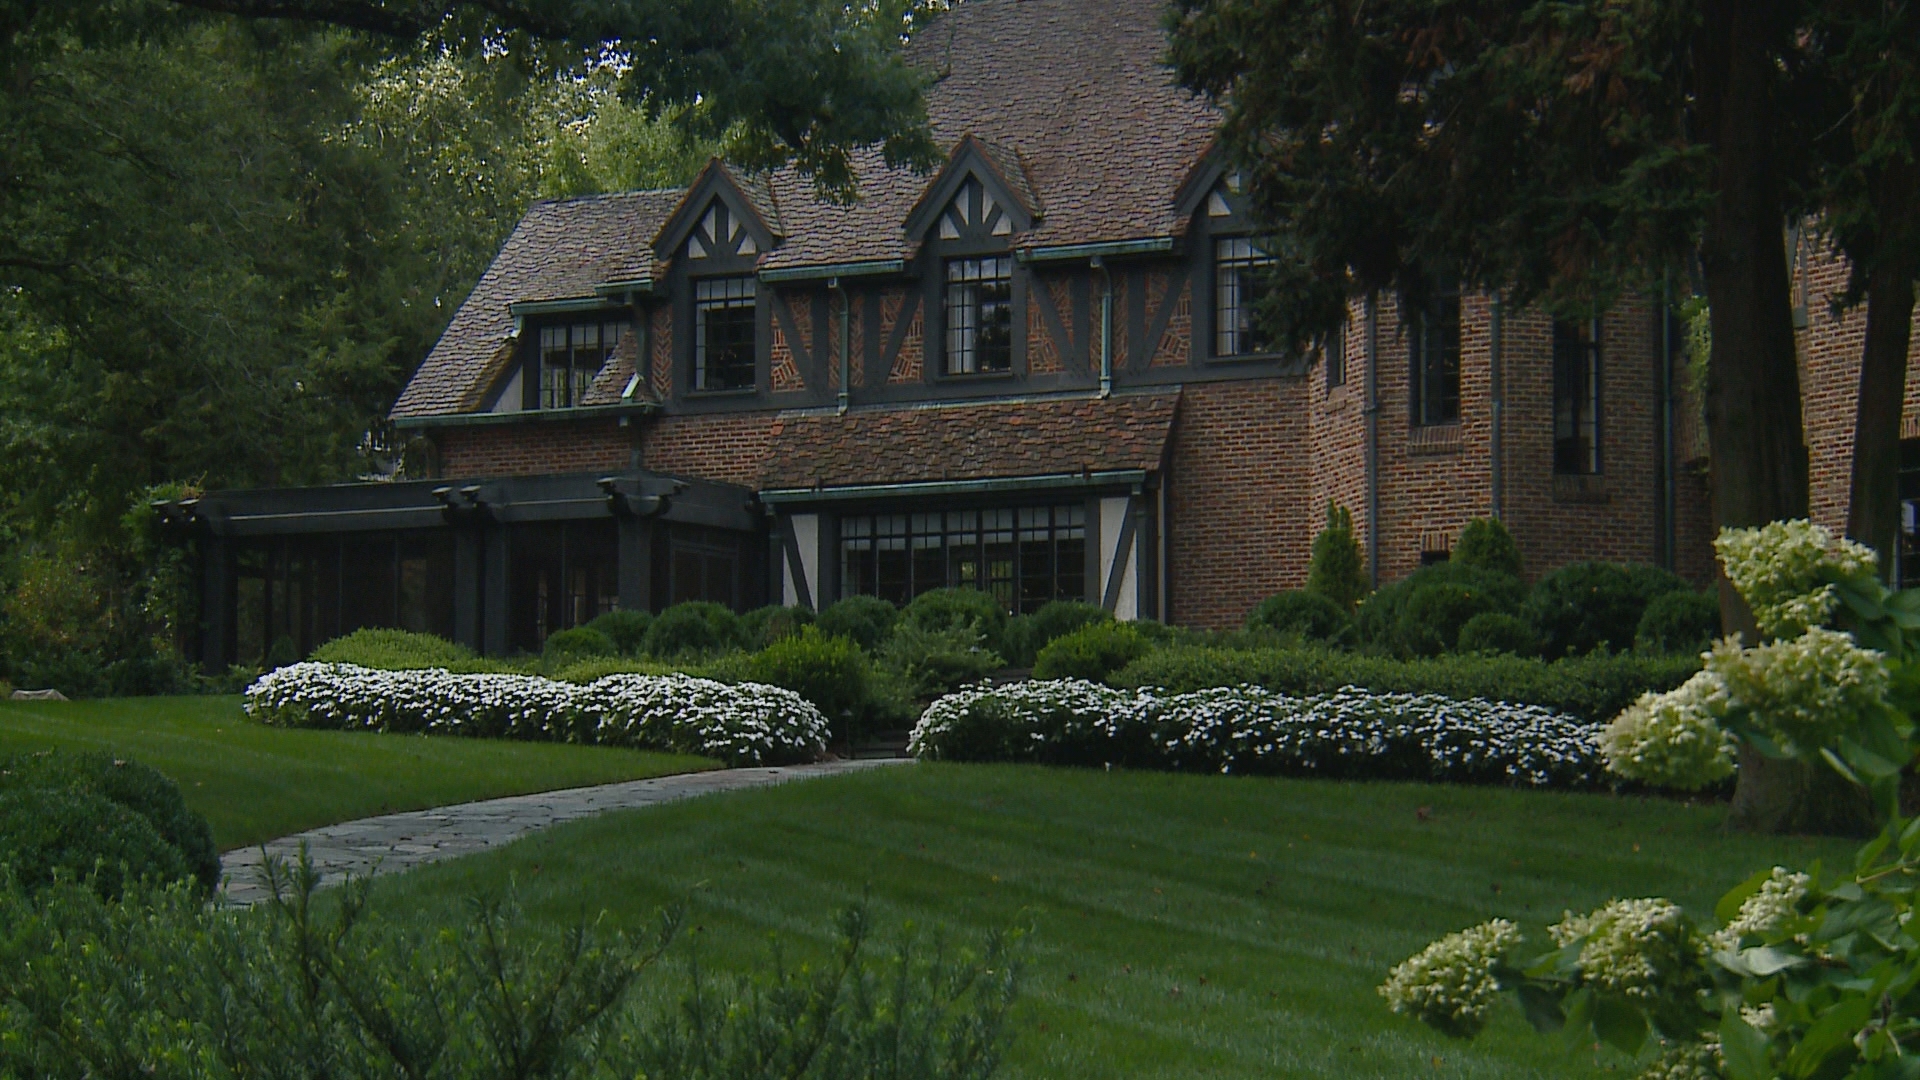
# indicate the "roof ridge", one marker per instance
pixel 600 195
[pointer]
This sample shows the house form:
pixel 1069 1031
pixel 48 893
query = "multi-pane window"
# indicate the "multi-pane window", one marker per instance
pixel 723 322
pixel 570 357
pixel 1433 353
pixel 1576 398
pixel 1334 350
pixel 1238 266
pixel 979 311
pixel 1023 557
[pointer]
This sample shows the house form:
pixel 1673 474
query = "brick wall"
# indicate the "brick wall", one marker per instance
pixel 531 449
pixel 728 447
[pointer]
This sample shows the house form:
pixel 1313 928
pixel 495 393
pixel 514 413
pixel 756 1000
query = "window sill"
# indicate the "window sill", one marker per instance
pixel 737 391
pixel 1434 439
pixel 973 376
pixel 1252 358
pixel 1580 488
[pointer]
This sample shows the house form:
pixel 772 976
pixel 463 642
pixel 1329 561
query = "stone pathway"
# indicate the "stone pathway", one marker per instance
pixel 395 842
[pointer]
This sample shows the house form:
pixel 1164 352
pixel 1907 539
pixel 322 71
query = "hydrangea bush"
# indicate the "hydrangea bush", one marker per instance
pixel 1797 974
pixel 1349 733
pixel 744 724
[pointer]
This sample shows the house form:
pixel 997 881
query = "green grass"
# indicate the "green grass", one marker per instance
pixel 255 783
pixel 1186 926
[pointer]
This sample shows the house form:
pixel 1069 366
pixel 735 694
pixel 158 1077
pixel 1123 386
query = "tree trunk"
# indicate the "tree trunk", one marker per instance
pixel 1756 439
pixel 1873 508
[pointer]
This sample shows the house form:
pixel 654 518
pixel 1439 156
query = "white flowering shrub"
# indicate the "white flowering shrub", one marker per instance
pixel 1643 949
pixel 1803 693
pixel 745 724
pixel 1786 572
pixel 1453 983
pixel 1350 733
pixel 1767 911
pixel 1673 739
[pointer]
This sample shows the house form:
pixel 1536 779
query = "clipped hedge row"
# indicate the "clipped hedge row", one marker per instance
pixel 745 724
pixel 1352 733
pixel 1590 688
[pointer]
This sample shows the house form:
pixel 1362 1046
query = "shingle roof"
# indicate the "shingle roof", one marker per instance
pixel 559 251
pixel 979 441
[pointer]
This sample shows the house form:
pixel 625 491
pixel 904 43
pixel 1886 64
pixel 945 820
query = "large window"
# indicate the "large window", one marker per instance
pixel 1433 354
pixel 570 357
pixel 1576 399
pixel 1024 556
pixel 979 310
pixel 723 325
pixel 1237 288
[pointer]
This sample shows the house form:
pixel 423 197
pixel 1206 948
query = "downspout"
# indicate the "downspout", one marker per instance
pixel 1106 326
pixel 1373 440
pixel 1497 389
pixel 1669 539
pixel 846 365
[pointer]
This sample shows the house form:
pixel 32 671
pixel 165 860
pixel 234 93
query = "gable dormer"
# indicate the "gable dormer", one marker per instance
pixel 719 221
pixel 1214 192
pixel 981 196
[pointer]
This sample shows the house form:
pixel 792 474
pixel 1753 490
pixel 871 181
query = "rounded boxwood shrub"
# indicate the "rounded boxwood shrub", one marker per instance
pixel 1436 612
pixel 1092 652
pixel 863 620
pixel 1381 623
pixel 82 835
pixel 1591 605
pixel 132 788
pixel 626 629
pixel 1058 618
pixel 578 643
pixel 1303 614
pixel 392 650
pixel 1679 622
pixel 944 609
pixel 696 626
pixel 831 672
pixel 765 625
pixel 1486 544
pixel 1496 632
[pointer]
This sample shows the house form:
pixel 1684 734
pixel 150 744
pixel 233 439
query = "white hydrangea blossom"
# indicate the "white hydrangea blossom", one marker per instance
pixel 1247 729
pixel 748 724
pixel 1688 1061
pixel 1778 569
pixel 1673 739
pixel 1804 691
pixel 1776 901
pixel 1641 948
pixel 1451 984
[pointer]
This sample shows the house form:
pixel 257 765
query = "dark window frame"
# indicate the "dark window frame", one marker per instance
pixel 1237 290
pixel 1579 405
pixel 900 553
pixel 976 300
pixel 562 385
pixel 1434 335
pixel 735 300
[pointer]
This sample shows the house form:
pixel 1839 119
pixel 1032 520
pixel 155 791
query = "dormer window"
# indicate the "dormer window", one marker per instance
pixel 1237 288
pixel 723 329
pixel 570 357
pixel 979 314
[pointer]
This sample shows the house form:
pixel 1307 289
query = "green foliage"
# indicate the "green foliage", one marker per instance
pixel 929 663
pixel 583 672
pixel 1430 624
pixel 831 672
pixel 1092 652
pixel 1391 620
pixel 1681 621
pixel 626 629
pixel 1593 605
pixel 765 625
pixel 1486 544
pixel 694 627
pixel 945 609
pixel 864 620
pixel 393 650
pixel 1593 688
pixel 1338 570
pixel 1304 614
pixel 582 642
pixel 1496 632
pixel 139 812
pixel 1026 635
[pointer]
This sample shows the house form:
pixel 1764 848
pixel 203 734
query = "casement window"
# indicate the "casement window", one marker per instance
pixel 1576 398
pixel 979 313
pixel 723 332
pixel 1024 557
pixel 1334 352
pixel 1237 288
pixel 1433 355
pixel 570 357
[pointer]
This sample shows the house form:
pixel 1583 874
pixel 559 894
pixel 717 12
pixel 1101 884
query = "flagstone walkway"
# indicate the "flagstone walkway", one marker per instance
pixel 395 842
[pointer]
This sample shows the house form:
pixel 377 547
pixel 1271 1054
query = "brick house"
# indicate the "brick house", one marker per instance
pixel 1029 371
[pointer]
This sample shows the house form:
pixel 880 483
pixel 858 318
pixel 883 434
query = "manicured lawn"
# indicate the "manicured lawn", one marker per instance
pixel 1187 926
pixel 255 783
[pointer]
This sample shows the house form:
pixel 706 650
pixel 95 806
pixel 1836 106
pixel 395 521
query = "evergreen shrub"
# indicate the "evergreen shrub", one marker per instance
pixel 864 620
pixel 1682 621
pixel 697 626
pixel 1485 544
pixel 48 833
pixel 763 626
pixel 1496 632
pixel 626 629
pixel 929 663
pixel 831 672
pixel 1465 591
pixel 1092 652
pixel 1304 614
pixel 1593 605
pixel 944 609
pixel 1338 570
pixel 112 788
pixel 393 650
pixel 580 643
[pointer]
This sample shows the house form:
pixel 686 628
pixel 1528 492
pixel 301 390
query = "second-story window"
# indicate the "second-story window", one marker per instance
pixel 1237 289
pixel 723 322
pixel 570 357
pixel 1576 399
pixel 1433 353
pixel 979 311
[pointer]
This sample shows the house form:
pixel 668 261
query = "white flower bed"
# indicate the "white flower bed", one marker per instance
pixel 747 724
pixel 1246 729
